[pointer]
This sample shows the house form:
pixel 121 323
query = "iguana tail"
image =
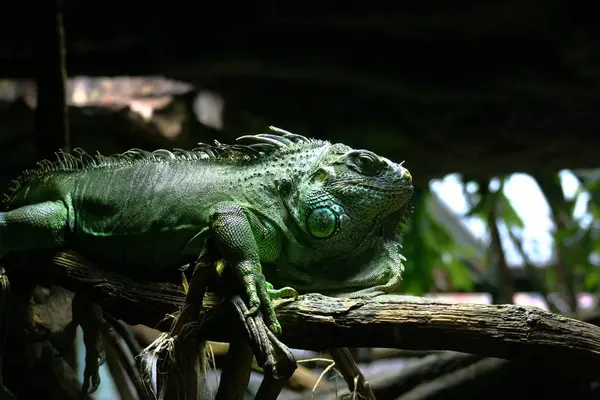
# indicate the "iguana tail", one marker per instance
pixel 35 226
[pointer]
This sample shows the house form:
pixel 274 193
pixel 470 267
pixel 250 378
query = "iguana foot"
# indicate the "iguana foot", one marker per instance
pixel 262 298
pixel 272 355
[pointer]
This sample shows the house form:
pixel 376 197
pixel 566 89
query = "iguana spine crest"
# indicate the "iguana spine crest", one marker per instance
pixel 79 160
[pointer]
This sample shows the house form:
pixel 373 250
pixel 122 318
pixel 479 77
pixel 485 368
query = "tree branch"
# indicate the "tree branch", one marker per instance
pixel 317 322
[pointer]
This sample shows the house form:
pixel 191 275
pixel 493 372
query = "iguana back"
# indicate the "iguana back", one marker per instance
pixel 143 208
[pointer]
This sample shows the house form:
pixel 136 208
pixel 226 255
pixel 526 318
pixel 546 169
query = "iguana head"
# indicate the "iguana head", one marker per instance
pixel 339 197
pixel 348 194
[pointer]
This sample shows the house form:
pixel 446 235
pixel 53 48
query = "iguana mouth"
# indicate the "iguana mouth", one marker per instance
pixel 370 186
pixel 387 189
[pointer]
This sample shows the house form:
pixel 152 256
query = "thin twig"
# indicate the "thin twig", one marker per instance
pixel 354 378
pixel 128 365
pixel 118 373
pixel 322 375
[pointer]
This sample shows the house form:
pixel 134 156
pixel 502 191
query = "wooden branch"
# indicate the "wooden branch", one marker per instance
pixel 318 322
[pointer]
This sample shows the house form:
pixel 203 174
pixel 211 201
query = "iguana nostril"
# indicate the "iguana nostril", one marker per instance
pixel 406 176
pixel 403 173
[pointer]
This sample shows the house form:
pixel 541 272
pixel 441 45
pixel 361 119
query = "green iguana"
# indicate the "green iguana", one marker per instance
pixel 320 217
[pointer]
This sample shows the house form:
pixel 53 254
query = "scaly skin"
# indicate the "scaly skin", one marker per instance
pixel 318 216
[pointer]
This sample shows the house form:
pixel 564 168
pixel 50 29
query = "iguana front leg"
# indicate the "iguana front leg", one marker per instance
pixel 235 232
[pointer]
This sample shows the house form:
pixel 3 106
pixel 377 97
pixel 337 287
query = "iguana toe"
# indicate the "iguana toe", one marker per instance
pixel 284 292
pixel 254 298
pixel 259 296
pixel 268 309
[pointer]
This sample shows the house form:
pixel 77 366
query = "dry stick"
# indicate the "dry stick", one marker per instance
pixel 345 364
pixel 318 322
pixel 184 371
pixel 121 328
pixel 127 364
pixel 117 370
pixel 125 333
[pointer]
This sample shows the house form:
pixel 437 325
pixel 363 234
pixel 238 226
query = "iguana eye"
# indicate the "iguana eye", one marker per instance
pixel 367 163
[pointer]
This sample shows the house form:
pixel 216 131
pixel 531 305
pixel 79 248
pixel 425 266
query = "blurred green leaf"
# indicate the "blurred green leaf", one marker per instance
pixel 591 281
pixel 428 245
pixel 411 286
pixel 483 207
pixel 550 279
pixel 459 273
pixel 507 212
pixel 435 236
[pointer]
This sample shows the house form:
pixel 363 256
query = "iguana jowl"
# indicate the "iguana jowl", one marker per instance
pixel 318 216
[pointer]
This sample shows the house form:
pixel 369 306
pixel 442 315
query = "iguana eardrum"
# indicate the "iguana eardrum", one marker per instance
pixel 318 216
